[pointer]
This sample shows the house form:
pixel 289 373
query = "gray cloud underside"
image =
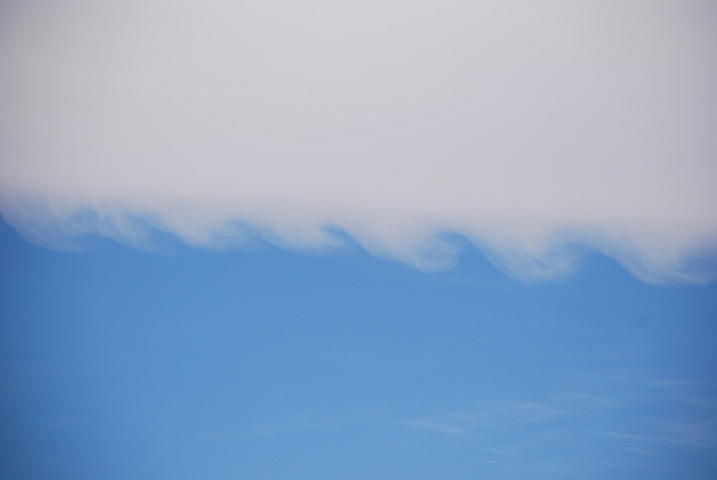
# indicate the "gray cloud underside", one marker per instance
pixel 526 127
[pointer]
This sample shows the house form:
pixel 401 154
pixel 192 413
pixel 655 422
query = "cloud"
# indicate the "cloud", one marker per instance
pixel 531 129
pixel 569 415
pixel 490 415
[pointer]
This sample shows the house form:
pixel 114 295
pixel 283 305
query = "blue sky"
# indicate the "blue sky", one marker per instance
pixel 266 363
pixel 357 239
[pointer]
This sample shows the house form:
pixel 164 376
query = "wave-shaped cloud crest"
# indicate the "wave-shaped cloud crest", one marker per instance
pixel 526 127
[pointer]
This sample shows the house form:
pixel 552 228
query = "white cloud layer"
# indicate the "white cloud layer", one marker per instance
pixel 527 127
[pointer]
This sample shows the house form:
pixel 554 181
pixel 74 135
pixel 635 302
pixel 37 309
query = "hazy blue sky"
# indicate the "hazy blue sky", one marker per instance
pixel 354 239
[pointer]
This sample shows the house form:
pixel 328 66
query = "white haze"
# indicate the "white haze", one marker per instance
pixel 526 127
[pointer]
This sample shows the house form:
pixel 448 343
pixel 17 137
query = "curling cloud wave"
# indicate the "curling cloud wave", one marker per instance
pixel 526 127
